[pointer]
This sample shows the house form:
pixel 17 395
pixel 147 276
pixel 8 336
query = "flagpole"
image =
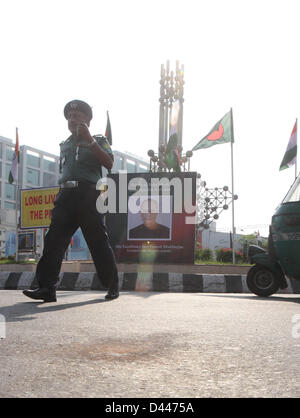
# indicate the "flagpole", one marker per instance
pixel 17 235
pixel 17 196
pixel 232 189
pixel 297 147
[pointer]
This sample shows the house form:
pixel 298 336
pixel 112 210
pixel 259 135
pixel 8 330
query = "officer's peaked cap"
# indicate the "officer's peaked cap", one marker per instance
pixel 78 105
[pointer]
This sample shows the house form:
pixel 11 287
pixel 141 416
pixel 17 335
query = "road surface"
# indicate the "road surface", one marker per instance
pixel 150 345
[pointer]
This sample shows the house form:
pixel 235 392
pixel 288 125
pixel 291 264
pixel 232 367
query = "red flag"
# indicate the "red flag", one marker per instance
pixel 108 130
pixel 290 155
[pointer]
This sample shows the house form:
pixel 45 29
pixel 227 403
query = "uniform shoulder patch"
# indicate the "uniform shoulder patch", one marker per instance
pixel 65 141
pixel 103 142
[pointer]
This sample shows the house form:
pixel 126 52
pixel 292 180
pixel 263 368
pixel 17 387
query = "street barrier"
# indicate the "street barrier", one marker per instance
pixel 143 282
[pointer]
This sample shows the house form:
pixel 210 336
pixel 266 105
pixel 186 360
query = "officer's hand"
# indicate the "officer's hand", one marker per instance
pixel 83 131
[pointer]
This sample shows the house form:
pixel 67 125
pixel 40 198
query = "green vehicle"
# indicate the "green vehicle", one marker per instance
pixel 282 259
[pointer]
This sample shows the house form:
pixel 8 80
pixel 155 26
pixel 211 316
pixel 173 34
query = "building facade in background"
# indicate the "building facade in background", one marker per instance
pixel 38 168
pixel 129 162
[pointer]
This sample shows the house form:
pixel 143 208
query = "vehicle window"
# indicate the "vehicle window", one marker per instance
pixel 293 194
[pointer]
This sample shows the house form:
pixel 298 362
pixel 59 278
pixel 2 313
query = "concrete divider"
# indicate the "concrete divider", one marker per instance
pixel 143 281
pixel 81 266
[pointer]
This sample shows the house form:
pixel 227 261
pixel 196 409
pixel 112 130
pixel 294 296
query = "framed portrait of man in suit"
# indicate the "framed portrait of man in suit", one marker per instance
pixel 151 218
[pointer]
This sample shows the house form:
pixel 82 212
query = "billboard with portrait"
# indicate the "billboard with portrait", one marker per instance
pixel 153 227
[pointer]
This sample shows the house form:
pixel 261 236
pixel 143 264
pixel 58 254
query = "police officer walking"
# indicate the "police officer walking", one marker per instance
pixel 81 159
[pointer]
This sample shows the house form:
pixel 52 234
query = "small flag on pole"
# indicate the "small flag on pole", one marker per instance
pixel 221 133
pixel 172 155
pixel 13 174
pixel 290 155
pixel 258 237
pixel 108 133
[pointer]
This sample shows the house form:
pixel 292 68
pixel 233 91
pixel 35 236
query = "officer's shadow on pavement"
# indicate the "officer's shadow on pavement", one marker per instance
pixel 27 310
pixel 280 297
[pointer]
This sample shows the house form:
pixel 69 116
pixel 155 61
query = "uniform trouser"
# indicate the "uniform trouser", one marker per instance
pixel 74 208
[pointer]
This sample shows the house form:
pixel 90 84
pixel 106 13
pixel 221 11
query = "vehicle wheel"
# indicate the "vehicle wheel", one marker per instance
pixel 262 281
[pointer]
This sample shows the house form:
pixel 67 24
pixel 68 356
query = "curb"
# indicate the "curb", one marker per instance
pixel 143 282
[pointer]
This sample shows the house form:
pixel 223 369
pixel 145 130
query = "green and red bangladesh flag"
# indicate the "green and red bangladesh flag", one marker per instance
pixel 221 133
pixel 13 174
pixel 290 155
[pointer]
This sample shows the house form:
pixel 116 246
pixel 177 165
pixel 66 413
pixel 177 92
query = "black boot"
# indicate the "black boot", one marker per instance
pixel 47 294
pixel 112 294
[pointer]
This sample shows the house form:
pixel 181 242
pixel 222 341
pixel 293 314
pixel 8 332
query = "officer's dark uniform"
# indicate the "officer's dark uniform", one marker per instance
pixel 74 207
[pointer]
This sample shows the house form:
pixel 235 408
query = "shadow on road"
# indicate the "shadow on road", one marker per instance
pixel 27 310
pixel 24 311
pixel 255 298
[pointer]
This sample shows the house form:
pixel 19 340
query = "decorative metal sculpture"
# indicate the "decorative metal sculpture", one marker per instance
pixel 170 118
pixel 211 202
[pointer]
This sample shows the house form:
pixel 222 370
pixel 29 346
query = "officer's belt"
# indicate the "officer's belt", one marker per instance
pixel 71 184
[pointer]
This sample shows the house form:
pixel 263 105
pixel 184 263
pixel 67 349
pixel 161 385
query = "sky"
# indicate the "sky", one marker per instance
pixel 236 54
